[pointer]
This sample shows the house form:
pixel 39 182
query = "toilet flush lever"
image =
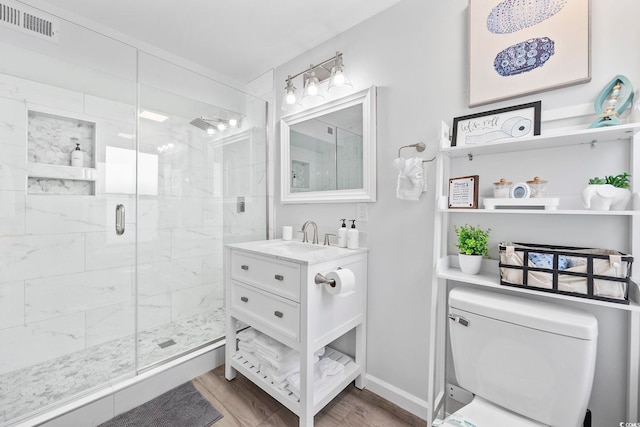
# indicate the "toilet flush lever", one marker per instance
pixel 459 319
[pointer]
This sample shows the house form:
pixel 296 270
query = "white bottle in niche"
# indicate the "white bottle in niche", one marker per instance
pixel 77 156
pixel 353 236
pixel 342 235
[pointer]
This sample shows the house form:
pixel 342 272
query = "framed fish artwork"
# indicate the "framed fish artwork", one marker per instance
pixel 518 47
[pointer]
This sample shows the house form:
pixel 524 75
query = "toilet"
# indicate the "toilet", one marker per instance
pixel 528 363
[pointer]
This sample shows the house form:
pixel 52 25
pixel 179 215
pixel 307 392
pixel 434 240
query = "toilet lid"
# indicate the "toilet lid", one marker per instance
pixel 482 413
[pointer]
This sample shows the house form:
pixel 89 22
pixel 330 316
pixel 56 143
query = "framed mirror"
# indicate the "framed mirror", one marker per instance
pixel 328 152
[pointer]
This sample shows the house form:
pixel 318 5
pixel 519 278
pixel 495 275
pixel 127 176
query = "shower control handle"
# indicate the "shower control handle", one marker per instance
pixel 120 219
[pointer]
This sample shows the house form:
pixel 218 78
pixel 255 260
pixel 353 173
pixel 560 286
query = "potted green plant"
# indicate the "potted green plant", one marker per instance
pixel 473 243
pixel 610 192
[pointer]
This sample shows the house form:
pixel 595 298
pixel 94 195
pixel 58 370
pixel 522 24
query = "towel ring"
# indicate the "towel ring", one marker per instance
pixel 420 146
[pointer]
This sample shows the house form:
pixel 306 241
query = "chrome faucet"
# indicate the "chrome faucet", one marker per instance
pixel 315 232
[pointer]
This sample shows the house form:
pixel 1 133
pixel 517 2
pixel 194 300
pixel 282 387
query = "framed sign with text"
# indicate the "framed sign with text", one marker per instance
pixel 463 192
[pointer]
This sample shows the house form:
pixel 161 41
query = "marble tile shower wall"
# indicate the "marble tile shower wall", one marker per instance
pixel 67 282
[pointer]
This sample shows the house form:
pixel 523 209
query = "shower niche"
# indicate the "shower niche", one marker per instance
pixel 51 139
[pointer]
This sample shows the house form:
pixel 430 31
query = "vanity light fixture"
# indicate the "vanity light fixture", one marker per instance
pixel 331 69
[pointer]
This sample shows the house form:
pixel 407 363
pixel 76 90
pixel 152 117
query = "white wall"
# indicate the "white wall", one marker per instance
pixel 416 53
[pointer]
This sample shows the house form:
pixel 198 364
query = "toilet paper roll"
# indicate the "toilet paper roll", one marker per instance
pixel 515 127
pixel 345 282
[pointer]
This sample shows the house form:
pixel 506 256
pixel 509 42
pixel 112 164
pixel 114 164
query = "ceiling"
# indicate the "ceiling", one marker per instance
pixel 241 39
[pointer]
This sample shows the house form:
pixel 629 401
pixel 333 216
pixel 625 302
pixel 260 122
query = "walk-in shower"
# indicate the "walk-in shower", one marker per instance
pixel 115 266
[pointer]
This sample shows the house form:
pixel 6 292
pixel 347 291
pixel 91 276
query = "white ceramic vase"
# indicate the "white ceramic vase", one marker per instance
pixel 470 264
pixel 604 197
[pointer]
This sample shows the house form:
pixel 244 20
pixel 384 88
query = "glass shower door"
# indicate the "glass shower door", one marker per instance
pixel 199 153
pixel 67 279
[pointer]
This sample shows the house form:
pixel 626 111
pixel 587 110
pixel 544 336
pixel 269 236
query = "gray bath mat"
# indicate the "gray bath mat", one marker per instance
pixel 183 406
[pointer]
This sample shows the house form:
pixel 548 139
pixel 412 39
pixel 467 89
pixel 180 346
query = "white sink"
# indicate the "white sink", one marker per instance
pixel 293 246
pixel 295 250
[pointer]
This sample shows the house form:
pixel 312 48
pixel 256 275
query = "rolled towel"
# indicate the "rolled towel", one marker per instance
pixel 325 372
pixel 247 334
pixel 271 349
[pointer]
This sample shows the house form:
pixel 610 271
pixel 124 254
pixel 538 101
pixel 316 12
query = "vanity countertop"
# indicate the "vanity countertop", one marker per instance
pixel 296 251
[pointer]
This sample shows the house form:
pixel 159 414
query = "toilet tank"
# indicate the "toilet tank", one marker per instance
pixel 534 358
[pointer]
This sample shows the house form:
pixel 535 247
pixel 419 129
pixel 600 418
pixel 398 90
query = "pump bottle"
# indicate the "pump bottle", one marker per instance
pixel 353 236
pixel 77 156
pixel 342 235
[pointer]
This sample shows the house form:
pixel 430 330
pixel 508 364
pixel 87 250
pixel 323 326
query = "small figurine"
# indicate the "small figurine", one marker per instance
pixel 610 115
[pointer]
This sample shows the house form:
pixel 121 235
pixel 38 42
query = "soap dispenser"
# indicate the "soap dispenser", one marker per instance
pixel 77 156
pixel 353 236
pixel 342 235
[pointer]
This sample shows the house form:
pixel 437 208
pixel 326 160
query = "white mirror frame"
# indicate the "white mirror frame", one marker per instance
pixel 365 97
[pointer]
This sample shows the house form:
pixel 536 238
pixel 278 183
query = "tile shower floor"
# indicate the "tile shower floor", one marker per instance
pixel 36 387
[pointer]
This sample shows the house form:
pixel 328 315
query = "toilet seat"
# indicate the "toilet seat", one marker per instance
pixel 482 413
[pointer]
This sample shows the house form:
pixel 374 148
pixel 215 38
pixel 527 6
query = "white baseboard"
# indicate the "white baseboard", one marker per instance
pixel 106 403
pixel 393 394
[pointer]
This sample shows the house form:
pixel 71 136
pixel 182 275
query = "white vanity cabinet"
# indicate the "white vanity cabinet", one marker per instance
pixel 567 159
pixel 270 285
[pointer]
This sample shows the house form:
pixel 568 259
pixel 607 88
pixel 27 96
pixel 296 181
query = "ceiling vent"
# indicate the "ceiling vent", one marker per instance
pixel 29 21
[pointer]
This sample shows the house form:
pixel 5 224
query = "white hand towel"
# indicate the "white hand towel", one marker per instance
pixel 325 372
pixel 271 349
pixel 410 178
pixel 247 334
pixel 248 346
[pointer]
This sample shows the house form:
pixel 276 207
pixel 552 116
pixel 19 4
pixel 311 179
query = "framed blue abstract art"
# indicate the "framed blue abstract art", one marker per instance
pixel 517 47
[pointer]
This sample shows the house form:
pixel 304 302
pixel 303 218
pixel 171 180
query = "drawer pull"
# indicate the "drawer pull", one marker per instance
pixel 278 314
pixel 244 267
pixel 244 299
pixel 279 277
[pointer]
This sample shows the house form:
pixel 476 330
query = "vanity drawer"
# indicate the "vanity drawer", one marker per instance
pixel 270 274
pixel 277 313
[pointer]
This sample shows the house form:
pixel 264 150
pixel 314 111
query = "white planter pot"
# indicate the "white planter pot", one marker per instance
pixel 603 197
pixel 470 264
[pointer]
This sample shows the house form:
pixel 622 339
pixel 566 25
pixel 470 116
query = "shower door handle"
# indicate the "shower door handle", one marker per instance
pixel 120 219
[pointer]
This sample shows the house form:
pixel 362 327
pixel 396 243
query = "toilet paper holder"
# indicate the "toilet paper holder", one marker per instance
pixel 321 280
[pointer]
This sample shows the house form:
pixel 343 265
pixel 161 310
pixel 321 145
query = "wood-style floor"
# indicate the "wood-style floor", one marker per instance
pixel 244 404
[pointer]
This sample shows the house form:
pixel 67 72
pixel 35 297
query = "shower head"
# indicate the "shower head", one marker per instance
pixel 200 123
pixel 206 124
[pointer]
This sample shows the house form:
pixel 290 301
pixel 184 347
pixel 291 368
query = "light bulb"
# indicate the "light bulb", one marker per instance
pixel 338 77
pixel 339 83
pixel 290 98
pixel 222 126
pixel 233 123
pixel 210 130
pixel 312 89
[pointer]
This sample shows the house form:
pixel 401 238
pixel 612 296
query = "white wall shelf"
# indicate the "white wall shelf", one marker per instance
pixel 42 170
pixel 621 145
pixel 557 139
pixel 489 277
